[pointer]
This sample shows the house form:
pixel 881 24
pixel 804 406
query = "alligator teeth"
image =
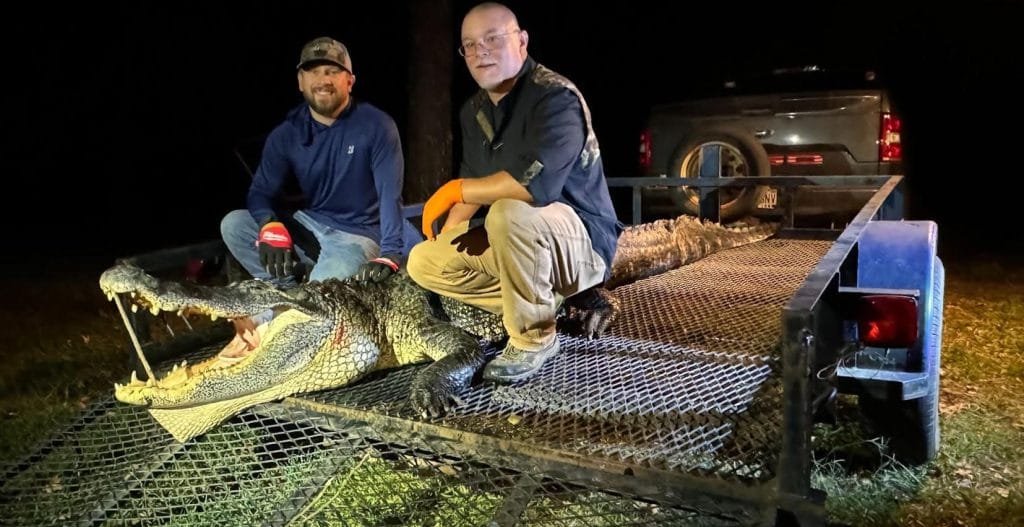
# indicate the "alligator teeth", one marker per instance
pixel 135 377
pixel 135 308
pixel 213 317
pixel 110 296
pixel 184 363
pixel 118 386
pixel 177 376
pixel 134 294
pixel 154 310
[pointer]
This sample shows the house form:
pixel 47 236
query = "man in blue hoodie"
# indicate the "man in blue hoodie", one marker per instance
pixel 346 157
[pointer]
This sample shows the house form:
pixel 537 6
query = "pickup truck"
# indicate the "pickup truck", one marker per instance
pixel 805 121
pixel 701 399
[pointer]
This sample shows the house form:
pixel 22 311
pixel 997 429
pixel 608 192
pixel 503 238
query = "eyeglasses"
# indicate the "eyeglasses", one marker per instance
pixel 469 47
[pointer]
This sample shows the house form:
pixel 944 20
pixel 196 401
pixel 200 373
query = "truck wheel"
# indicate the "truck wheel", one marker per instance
pixel 741 155
pixel 913 426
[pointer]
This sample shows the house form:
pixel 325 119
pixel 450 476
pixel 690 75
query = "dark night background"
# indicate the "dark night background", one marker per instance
pixel 121 120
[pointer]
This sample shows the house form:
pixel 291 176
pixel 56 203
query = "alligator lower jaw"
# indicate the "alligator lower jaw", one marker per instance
pixel 243 346
pixel 151 392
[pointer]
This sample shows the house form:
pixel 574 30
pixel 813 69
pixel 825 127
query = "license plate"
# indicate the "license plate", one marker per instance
pixel 769 200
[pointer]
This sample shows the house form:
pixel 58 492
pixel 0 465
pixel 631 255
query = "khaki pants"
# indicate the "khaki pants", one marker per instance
pixel 522 263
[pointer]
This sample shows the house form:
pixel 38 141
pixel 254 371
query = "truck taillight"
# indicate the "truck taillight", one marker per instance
pixel 645 151
pixel 887 321
pixel 805 159
pixel 890 148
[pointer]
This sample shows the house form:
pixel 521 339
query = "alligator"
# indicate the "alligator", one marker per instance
pixel 328 334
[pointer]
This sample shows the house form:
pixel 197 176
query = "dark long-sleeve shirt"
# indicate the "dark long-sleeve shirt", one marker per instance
pixel 350 172
pixel 541 134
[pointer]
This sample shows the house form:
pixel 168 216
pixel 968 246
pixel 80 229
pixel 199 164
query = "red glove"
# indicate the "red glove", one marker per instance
pixel 441 202
pixel 275 246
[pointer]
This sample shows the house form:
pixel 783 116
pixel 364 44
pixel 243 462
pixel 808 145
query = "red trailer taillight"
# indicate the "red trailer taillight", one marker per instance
pixel 645 151
pixel 889 146
pixel 887 321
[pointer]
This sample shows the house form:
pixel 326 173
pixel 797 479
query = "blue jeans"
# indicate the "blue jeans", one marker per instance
pixel 341 253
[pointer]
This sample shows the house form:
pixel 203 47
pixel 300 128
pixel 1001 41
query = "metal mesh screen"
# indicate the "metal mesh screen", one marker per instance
pixel 277 465
pixel 685 391
pixel 688 380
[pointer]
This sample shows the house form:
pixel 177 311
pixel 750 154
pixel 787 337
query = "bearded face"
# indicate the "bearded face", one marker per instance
pixel 327 88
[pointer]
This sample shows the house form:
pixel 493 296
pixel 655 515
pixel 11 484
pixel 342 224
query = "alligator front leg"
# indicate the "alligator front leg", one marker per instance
pixel 457 358
pixel 435 390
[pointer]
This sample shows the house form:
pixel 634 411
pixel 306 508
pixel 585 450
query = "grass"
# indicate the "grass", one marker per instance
pixel 64 345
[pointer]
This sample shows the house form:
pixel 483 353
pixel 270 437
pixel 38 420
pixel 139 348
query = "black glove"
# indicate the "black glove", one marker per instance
pixel 275 246
pixel 378 269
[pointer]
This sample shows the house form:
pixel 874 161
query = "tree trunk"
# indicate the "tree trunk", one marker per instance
pixel 428 161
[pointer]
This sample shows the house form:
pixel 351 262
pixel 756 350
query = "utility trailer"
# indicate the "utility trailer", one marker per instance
pixel 696 409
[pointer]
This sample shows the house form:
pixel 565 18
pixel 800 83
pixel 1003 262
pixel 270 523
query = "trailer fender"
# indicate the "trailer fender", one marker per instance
pixel 897 254
pixel 902 255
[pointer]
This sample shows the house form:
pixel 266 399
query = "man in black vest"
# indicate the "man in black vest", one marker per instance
pixel 529 220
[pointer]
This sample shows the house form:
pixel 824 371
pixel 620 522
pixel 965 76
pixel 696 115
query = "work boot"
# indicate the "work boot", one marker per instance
pixel 515 364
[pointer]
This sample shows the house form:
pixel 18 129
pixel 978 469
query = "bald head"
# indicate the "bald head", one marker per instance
pixel 494 47
pixel 494 11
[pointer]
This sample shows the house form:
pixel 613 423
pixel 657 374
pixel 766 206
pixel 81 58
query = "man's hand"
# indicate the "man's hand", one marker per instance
pixel 444 199
pixel 275 246
pixel 377 269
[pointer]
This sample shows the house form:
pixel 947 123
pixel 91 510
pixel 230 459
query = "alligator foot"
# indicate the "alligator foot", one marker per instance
pixel 590 313
pixel 435 390
pixel 431 400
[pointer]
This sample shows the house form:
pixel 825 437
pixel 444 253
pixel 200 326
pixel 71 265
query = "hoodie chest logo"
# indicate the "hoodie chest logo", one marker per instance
pixel 351 149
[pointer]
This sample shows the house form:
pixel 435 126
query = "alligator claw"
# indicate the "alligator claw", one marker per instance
pixel 592 312
pixel 431 399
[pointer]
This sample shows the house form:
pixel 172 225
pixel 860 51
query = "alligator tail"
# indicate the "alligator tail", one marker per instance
pixel 654 248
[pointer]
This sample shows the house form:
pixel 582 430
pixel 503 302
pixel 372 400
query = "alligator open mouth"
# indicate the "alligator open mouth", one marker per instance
pixel 259 313
pixel 321 335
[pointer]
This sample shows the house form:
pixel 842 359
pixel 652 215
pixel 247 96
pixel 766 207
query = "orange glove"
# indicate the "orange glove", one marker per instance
pixel 441 202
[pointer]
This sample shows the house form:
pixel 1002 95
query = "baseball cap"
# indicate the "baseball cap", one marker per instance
pixel 325 49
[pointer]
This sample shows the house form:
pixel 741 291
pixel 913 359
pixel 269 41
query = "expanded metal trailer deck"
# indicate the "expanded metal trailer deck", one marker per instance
pixel 693 410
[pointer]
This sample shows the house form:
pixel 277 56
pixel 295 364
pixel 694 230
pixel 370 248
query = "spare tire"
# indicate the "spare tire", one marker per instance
pixel 740 155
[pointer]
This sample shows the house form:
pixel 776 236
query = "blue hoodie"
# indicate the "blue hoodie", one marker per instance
pixel 350 172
